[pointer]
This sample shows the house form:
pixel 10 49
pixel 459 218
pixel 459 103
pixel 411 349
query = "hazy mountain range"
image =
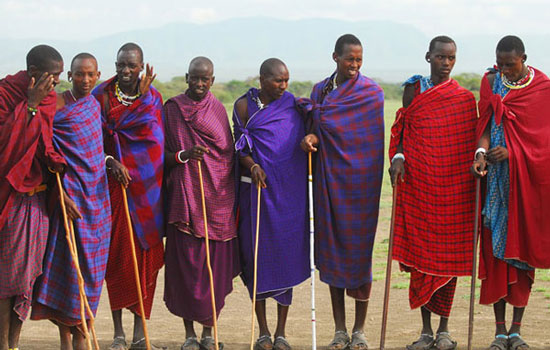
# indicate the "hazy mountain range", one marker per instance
pixel 392 51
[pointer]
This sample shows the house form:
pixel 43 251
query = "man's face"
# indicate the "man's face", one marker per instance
pixel 442 59
pixel 84 74
pixel 511 64
pixel 275 84
pixel 349 63
pixel 199 79
pixel 128 66
pixel 54 68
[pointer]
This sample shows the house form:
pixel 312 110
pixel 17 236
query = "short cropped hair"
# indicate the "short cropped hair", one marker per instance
pixel 131 47
pixel 511 43
pixel 346 39
pixel 440 39
pixel 83 55
pixel 41 56
pixel 269 65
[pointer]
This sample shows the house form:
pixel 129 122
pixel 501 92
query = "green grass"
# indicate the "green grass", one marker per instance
pixel 401 285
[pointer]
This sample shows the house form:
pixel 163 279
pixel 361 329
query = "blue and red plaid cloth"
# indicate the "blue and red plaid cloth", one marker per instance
pixel 349 122
pixel 137 135
pixel 78 136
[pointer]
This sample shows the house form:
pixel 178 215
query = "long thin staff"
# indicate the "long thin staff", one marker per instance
pixel 255 279
pixel 208 265
pixel 312 254
pixel 72 250
pixel 388 272
pixel 136 269
pixel 474 268
pixel 82 290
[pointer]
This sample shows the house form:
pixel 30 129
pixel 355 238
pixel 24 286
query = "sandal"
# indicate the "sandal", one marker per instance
pixel 358 341
pixel 281 344
pixel 515 342
pixel 264 343
pixel 340 341
pixel 443 341
pixel 191 343
pixel 142 345
pixel 425 342
pixel 208 343
pixel 119 343
pixel 500 342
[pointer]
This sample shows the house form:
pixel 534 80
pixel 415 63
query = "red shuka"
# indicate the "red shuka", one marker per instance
pixel 525 116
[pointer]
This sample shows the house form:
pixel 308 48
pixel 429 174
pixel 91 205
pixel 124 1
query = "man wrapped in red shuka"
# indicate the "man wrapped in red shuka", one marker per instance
pixel 27 107
pixel 514 127
pixel 435 131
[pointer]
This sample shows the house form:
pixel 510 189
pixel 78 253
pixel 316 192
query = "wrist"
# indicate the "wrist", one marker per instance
pixel 180 159
pixel 398 155
pixel 108 160
pixel 479 151
pixel 253 166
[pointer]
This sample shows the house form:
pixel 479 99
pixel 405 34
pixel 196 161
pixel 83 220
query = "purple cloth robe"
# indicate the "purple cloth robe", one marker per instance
pixel 272 137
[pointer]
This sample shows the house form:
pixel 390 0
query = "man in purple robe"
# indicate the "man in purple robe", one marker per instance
pixel 197 129
pixel 268 131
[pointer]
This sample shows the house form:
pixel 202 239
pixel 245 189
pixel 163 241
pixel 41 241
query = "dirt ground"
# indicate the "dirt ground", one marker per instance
pixel 403 324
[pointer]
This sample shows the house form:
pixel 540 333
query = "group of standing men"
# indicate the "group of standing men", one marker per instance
pixel 120 137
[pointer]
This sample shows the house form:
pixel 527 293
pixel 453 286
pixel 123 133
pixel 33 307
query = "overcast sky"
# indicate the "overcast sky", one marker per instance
pixel 70 19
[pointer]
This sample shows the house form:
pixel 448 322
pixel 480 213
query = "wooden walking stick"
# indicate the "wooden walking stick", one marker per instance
pixel 312 254
pixel 72 250
pixel 208 265
pixel 136 268
pixel 474 268
pixel 255 268
pixel 388 271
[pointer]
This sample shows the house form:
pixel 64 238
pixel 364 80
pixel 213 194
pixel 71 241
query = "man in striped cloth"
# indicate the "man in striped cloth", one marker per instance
pixel 78 137
pixel 134 144
pixel 197 129
pixel 434 132
pixel 348 138
pixel 513 133
pixel 27 107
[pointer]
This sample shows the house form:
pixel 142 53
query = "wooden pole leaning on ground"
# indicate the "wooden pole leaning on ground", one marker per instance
pixel 388 271
pixel 208 264
pixel 72 250
pixel 312 253
pixel 474 267
pixel 136 268
pixel 255 279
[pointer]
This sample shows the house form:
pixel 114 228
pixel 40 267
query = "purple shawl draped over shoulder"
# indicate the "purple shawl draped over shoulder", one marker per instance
pixel 349 122
pixel 272 137
pixel 189 123
pixel 78 136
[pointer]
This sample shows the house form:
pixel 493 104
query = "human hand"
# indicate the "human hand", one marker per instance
pixel 119 172
pixel 146 79
pixel 38 90
pixel 309 143
pixel 197 152
pixel 479 167
pixel 258 175
pixel 397 171
pixel 72 210
pixel 497 154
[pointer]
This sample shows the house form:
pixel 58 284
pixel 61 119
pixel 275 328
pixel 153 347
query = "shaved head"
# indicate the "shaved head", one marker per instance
pixel 131 47
pixel 83 56
pixel 201 63
pixel 42 57
pixel 270 66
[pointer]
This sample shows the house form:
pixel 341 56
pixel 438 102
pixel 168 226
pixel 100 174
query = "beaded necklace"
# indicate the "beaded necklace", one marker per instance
pixel 521 83
pixel 126 100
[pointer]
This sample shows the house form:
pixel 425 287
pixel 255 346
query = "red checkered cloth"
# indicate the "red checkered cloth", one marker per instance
pixel 435 204
pixel 23 242
pixel 525 117
pixel 121 283
pixel 24 147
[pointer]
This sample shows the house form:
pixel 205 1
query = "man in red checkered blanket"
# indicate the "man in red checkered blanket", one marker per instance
pixel 27 107
pixel 435 131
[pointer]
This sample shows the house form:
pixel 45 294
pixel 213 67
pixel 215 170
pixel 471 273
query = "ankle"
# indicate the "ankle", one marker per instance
pixel 500 327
